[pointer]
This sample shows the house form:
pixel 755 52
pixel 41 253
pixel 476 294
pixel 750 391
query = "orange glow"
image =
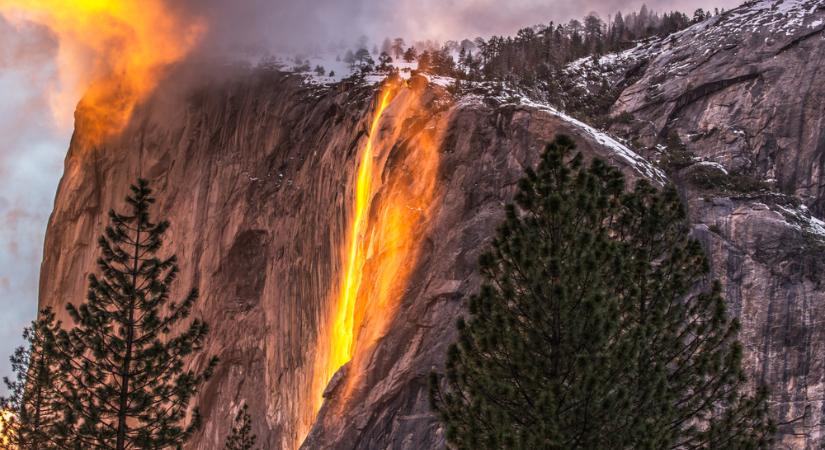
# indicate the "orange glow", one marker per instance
pixel 343 329
pixel 111 53
pixel 392 205
pixel 7 417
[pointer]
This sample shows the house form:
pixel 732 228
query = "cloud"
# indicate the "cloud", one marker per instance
pixel 256 26
pixel 31 153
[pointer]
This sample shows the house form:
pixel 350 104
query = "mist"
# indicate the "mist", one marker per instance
pixel 256 27
pixel 32 146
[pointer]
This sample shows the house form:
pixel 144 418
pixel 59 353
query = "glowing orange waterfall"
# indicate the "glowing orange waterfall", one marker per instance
pixel 343 328
pixel 392 204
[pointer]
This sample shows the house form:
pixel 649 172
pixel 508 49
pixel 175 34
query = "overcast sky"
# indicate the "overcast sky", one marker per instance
pixel 292 23
pixel 32 148
pixel 33 145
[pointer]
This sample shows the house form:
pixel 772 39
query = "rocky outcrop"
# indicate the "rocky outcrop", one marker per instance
pixel 744 89
pixel 770 261
pixel 739 98
pixel 256 174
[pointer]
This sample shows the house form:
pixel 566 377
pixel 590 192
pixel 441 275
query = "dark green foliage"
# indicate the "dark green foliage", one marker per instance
pixel 363 60
pixel 410 55
pixel 34 401
pixel 535 53
pixel 624 117
pixel 241 437
pixel 384 62
pixel 712 179
pixel 593 329
pixel 127 380
pixel 676 155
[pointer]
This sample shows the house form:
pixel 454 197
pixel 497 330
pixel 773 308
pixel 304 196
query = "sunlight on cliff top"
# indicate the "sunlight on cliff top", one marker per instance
pixel 111 55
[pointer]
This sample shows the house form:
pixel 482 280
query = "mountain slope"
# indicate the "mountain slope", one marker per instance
pixel 745 89
pixel 257 174
pixel 736 106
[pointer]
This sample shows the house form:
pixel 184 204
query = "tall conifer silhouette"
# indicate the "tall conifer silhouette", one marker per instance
pixel 129 380
pixel 596 326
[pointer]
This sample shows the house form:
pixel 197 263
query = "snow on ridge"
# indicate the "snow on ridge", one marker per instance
pixel 713 164
pixel 782 18
pixel 688 48
pixel 778 21
pixel 586 71
pixel 786 16
pixel 633 159
pixel 608 60
pixel 802 220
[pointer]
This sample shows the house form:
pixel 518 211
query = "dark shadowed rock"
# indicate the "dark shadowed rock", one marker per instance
pixel 744 92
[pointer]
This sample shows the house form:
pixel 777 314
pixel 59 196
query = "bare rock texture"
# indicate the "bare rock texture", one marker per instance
pixel 745 89
pixel 256 174
pixel 744 93
pixel 256 177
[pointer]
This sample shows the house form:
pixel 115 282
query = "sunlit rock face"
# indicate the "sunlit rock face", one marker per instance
pixel 258 174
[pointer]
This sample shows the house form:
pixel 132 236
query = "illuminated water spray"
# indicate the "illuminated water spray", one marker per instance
pixel 385 233
pixel 343 328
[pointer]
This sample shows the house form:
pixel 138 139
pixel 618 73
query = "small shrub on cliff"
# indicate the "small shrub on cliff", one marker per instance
pixel 241 437
pixel 128 381
pixel 596 326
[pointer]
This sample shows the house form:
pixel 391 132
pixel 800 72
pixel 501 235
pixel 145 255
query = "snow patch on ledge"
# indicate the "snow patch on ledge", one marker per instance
pixel 802 220
pixel 714 165
pixel 636 161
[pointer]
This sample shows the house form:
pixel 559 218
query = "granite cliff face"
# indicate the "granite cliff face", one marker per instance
pixel 741 99
pixel 745 90
pixel 257 175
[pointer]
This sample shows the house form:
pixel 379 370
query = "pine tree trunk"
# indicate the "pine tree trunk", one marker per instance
pixel 127 360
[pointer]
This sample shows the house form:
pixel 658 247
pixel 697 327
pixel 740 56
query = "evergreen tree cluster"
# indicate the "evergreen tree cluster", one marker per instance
pixel 535 53
pixel 120 377
pixel 596 326
pixel 538 52
pixel 32 411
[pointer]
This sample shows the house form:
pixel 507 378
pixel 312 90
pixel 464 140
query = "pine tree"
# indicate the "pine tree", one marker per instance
pixel 241 437
pixel 349 58
pixel 385 63
pixel 127 374
pixel 398 47
pixel 410 54
pixel 32 414
pixel 363 60
pixel 596 326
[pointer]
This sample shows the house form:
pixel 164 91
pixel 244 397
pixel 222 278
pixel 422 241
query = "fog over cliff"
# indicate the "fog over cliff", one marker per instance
pixel 257 25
